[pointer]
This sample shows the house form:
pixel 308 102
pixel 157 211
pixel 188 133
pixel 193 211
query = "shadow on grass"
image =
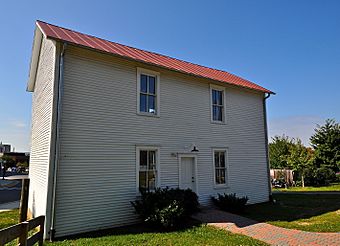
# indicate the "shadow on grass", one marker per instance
pixel 133 229
pixel 293 206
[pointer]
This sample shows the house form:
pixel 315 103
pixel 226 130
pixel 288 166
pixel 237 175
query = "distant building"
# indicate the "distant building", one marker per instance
pixel 4 148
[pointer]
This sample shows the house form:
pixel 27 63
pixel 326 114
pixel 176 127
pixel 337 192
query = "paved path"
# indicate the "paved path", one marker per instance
pixel 270 234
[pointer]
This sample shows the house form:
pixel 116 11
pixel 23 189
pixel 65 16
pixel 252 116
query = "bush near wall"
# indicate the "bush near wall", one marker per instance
pixel 166 207
pixel 230 202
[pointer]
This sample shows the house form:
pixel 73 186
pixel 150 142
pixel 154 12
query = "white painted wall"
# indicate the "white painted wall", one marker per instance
pixel 42 104
pixel 100 131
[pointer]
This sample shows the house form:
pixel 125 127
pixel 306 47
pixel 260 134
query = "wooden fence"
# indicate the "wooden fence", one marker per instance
pixel 21 231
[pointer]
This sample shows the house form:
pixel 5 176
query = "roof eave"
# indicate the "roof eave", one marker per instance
pixel 37 40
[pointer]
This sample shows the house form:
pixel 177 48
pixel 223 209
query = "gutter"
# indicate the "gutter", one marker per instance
pixel 266 145
pixel 57 144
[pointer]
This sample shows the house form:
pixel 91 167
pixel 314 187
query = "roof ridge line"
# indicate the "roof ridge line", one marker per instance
pixel 152 52
pixel 218 72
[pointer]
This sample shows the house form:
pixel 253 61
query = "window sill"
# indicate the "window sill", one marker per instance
pixel 148 114
pixel 139 194
pixel 220 187
pixel 218 122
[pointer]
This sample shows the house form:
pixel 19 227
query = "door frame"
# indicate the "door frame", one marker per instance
pixel 190 155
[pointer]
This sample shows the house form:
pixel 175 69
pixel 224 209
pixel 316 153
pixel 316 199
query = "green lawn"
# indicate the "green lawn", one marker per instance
pixel 307 212
pixel 9 218
pixel 199 235
pixel 139 235
pixel 334 187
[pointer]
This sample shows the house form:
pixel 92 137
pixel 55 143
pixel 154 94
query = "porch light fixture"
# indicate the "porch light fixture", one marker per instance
pixel 195 149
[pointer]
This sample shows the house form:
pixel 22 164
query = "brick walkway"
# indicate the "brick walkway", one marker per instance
pixel 265 232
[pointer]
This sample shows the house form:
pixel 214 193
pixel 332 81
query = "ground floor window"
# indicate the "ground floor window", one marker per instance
pixel 147 164
pixel 220 167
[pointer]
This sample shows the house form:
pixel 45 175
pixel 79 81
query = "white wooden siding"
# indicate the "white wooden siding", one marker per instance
pixel 100 131
pixel 42 104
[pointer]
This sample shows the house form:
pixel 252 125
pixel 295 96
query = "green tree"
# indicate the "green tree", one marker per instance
pixel 299 158
pixel 279 150
pixel 326 143
pixel 7 162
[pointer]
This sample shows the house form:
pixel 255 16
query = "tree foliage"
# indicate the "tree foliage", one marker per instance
pixel 279 150
pixel 7 161
pixel 326 143
pixel 300 157
pixel 290 153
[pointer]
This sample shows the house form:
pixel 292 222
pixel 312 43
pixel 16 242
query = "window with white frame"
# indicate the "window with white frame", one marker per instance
pixel 220 167
pixel 148 92
pixel 217 104
pixel 147 164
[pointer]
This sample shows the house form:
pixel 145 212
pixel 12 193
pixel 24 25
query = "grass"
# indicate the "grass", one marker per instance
pixel 195 234
pixel 199 235
pixel 9 218
pixel 333 187
pixel 307 212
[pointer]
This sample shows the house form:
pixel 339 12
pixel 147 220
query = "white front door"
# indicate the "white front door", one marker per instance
pixel 187 174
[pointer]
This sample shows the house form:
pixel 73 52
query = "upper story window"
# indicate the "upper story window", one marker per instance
pixel 217 104
pixel 147 92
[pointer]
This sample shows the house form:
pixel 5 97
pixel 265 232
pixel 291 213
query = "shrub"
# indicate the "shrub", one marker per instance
pixel 324 176
pixel 166 207
pixel 319 177
pixel 337 177
pixel 230 202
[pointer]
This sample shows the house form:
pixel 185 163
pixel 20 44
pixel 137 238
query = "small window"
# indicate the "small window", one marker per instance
pixel 217 105
pixel 147 169
pixel 220 165
pixel 148 92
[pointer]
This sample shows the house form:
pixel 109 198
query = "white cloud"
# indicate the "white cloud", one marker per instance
pixel 295 127
pixel 19 124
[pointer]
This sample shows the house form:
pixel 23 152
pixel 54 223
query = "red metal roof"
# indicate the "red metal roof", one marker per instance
pixel 63 34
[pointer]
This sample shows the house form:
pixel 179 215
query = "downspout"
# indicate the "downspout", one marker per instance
pixel 266 144
pixel 57 145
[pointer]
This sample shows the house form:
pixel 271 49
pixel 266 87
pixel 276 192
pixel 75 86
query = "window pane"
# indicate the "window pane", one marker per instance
pixel 142 180
pixel 216 159
pixel 151 182
pixel 143 103
pixel 152 85
pixel 222 159
pixel 214 113
pixel 143 158
pixel 143 83
pixel 219 98
pixel 222 178
pixel 219 113
pixel 217 176
pixel 152 160
pixel 214 97
pixel 152 108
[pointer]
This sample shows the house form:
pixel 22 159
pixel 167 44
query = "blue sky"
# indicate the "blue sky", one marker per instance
pixel 290 47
